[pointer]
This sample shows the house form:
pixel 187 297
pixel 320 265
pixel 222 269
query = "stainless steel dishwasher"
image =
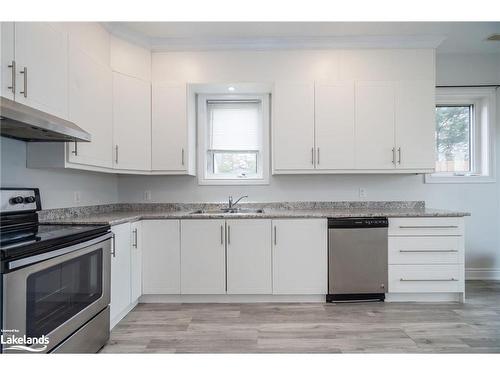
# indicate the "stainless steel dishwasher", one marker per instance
pixel 357 259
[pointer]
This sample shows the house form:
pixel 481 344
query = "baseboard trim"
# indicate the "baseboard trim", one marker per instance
pixel 229 298
pixel 482 273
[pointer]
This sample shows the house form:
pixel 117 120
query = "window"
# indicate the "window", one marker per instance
pixel 233 138
pixel 465 125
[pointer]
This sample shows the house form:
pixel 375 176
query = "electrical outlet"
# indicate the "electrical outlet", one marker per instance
pixel 77 197
pixel 362 193
pixel 147 195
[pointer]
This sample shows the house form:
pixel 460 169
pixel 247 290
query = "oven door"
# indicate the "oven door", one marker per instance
pixel 55 297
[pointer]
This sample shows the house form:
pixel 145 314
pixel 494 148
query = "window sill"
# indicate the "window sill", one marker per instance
pixel 444 179
pixel 219 182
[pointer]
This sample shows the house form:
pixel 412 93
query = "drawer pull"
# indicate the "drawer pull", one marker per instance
pixel 428 251
pixel 452 279
pixel 428 226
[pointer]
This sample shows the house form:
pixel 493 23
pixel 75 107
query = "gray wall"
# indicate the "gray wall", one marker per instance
pixel 57 187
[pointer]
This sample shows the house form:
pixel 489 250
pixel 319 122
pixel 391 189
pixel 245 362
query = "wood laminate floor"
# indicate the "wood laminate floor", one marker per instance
pixel 472 327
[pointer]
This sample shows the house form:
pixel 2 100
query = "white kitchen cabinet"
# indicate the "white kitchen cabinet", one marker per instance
pixel 249 256
pixel 203 257
pixel 130 59
pixel 90 107
pixel 131 123
pixel 7 58
pixel 293 126
pixel 169 128
pixel 334 125
pixel 415 125
pixel 161 260
pixel 375 147
pixel 300 258
pixel 120 272
pixel 136 261
pixel 41 54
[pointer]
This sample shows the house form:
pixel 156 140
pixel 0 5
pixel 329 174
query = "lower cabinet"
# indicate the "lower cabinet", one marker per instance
pixel 300 256
pixel 249 256
pixel 161 257
pixel 203 256
pixel 120 272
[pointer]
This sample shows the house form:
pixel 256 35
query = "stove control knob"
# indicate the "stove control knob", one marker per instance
pixel 16 200
pixel 30 199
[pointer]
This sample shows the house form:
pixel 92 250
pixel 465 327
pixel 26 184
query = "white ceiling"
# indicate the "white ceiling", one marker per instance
pixel 459 37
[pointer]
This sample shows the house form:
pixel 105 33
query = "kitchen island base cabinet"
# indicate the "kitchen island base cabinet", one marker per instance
pixel 161 260
pixel 203 256
pixel 300 256
pixel 249 256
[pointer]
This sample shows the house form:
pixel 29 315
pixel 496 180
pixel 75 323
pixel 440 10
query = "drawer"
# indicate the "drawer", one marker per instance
pixel 426 226
pixel 426 250
pixel 426 278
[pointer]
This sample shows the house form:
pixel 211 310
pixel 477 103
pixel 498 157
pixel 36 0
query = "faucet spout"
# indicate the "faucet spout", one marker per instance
pixel 232 204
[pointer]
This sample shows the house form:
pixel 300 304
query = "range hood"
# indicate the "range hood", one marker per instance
pixel 24 123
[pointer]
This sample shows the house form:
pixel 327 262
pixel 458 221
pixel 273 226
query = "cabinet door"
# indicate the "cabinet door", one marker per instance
pixel 120 271
pixel 169 127
pixel 161 260
pixel 7 73
pixel 249 256
pixel 334 125
pixel 131 123
pixel 136 261
pixel 293 126
pixel 300 256
pixel 90 107
pixel 375 125
pixel 42 49
pixel 415 125
pixel 203 260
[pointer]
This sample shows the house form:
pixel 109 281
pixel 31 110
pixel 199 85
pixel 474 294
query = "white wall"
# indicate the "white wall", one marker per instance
pixel 57 186
pixel 482 200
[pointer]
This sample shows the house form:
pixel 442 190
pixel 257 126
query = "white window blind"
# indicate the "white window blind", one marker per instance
pixel 234 125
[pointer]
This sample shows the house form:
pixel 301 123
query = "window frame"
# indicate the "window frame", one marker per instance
pixel 205 178
pixel 482 133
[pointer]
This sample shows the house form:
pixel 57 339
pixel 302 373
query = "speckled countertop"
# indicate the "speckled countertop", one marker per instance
pixel 121 213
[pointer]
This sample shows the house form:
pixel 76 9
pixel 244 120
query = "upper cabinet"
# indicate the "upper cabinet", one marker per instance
pixel 293 126
pixel 131 123
pixel 90 106
pixel 170 144
pixel 41 56
pixel 8 71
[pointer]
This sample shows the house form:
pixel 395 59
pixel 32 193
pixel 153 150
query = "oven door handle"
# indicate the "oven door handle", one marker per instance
pixel 52 254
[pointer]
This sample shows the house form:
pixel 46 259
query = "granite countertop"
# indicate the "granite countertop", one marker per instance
pixel 122 213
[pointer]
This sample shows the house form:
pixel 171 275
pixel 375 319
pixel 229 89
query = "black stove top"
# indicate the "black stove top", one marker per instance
pixel 15 245
pixel 22 236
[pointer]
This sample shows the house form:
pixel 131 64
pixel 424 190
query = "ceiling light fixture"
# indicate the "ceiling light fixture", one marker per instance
pixel 231 88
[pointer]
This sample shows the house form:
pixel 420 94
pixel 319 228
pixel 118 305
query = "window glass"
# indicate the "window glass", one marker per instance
pixel 453 137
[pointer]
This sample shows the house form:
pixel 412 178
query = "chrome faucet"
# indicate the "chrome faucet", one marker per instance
pixel 232 204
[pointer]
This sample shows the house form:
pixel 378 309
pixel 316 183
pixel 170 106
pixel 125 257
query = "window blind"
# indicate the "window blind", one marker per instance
pixel 234 125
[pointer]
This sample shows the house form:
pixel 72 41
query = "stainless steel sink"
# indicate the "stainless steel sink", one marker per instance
pixel 229 211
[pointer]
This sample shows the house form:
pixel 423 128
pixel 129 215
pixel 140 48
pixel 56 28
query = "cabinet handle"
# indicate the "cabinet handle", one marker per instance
pixel 393 156
pixel 135 238
pixel 116 154
pixel 312 156
pixel 25 87
pixel 428 251
pixel 222 235
pixel 452 279
pixel 12 86
pixel 317 160
pixel 399 155
pixel 275 237
pixel 427 226
pixel 182 156
pixel 75 151
pixel 113 251
pixel 229 235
